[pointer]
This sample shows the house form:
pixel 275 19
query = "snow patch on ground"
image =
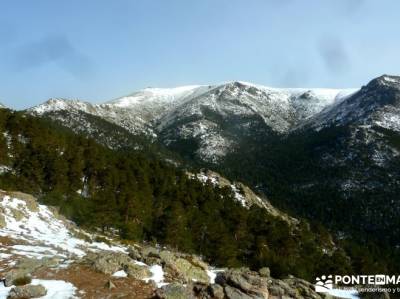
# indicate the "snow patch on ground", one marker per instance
pixel 38 225
pixel 157 276
pixel 56 289
pixel 212 274
pixel 120 273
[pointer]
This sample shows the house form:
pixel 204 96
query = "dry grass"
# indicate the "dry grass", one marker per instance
pixel 92 284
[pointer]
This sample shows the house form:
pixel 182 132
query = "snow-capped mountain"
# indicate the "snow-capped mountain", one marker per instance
pixel 279 108
pixel 214 116
pixel 280 141
pixel 377 103
pixel 209 122
pixel 328 155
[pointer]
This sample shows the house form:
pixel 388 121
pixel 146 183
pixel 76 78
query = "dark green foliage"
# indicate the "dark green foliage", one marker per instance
pixel 21 281
pixel 146 199
pixel 303 173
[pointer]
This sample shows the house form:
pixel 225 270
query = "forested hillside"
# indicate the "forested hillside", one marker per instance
pixel 144 198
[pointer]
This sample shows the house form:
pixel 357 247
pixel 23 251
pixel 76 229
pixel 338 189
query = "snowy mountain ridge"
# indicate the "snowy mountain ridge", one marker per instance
pixel 217 118
pixel 204 113
pixel 141 110
pixel 377 103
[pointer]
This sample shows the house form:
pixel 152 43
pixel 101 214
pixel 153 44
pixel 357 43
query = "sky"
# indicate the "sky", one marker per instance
pixel 98 50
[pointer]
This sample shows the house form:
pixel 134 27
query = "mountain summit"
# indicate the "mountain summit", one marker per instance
pixel 215 116
pixel 281 141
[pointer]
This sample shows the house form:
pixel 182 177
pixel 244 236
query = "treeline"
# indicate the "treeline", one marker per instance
pixel 306 173
pixel 148 199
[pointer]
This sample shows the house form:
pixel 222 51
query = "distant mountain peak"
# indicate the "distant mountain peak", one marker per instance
pixel 385 80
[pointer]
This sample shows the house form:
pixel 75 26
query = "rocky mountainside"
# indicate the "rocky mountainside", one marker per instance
pixel 44 255
pixel 214 120
pixel 147 199
pixel 279 141
pixel 215 117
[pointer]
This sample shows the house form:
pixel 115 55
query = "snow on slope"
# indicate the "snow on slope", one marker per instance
pixel 56 289
pixel 377 103
pixel 242 194
pixel 31 223
pixel 138 112
pixel 160 95
pixel 36 231
pixel 215 116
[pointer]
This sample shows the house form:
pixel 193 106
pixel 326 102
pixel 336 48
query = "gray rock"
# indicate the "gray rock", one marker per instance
pixel 2 221
pixel 31 264
pixel 196 261
pixel 202 290
pixel 17 276
pixel 183 268
pixel 150 260
pixel 167 257
pixel 137 271
pixel 276 291
pixel 149 251
pixel 233 293
pixel 264 272
pixel 27 291
pixel 108 262
pixel 134 253
pixel 216 291
pixel 25 267
pixel 245 282
pixel 189 272
pixel 174 291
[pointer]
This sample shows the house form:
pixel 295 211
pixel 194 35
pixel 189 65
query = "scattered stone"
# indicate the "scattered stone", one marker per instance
pixel 148 251
pixel 27 291
pixel 16 275
pixel 137 271
pixel 134 253
pixel 264 272
pixel 110 285
pixel 233 293
pixel 31 264
pixel 30 201
pixel 189 272
pixel 17 214
pixel 199 290
pixel 174 291
pixel 167 257
pixel 152 261
pixel 2 220
pixel 108 262
pixel 194 260
pixel 243 284
pixel 216 291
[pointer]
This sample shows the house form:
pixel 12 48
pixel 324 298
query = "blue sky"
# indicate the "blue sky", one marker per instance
pixel 101 49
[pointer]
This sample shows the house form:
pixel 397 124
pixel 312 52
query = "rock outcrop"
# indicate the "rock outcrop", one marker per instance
pixel 27 291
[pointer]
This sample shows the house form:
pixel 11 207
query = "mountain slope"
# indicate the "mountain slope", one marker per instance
pixel 146 199
pixel 40 247
pixel 213 118
pixel 329 155
pixel 339 167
